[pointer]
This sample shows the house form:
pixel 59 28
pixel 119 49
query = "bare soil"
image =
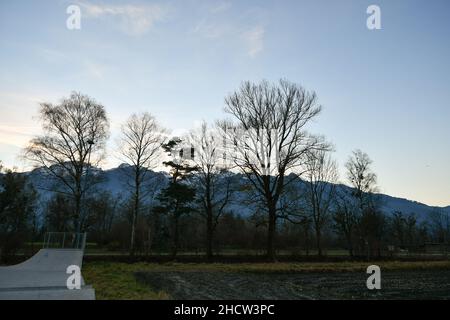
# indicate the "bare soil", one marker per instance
pixel 193 285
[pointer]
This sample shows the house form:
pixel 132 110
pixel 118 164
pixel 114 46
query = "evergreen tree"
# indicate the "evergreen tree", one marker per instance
pixel 17 206
pixel 175 201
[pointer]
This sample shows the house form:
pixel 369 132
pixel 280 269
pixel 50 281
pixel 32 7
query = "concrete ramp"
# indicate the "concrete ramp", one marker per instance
pixel 50 259
pixel 44 277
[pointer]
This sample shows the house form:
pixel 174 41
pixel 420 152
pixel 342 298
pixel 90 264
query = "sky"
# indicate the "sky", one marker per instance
pixel 386 91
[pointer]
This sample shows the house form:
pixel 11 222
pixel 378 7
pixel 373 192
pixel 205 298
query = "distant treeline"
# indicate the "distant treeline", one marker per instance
pixel 266 142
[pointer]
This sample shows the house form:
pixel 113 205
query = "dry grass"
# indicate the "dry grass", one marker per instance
pixel 117 281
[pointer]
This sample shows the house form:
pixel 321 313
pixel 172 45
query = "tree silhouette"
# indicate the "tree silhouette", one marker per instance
pixel 75 134
pixel 269 139
pixel 141 141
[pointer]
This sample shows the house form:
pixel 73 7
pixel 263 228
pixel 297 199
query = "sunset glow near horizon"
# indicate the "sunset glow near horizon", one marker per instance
pixel 384 91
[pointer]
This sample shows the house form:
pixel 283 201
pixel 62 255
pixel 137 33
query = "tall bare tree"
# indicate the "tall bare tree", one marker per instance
pixel 363 180
pixel 75 134
pixel 346 218
pixel 361 177
pixel 321 177
pixel 269 139
pixel 214 181
pixel 140 145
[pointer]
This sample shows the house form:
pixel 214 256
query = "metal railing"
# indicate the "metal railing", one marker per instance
pixel 64 240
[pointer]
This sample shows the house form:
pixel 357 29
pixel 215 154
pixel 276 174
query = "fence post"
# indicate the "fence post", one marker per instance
pixel 84 241
pixel 45 241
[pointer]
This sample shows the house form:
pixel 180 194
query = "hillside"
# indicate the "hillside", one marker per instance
pixel 115 181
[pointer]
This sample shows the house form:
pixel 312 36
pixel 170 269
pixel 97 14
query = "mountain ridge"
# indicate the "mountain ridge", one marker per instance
pixel 115 182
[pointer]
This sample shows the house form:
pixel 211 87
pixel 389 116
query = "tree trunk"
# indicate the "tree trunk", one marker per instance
pixel 77 213
pixel 175 237
pixel 306 234
pixel 134 219
pixel 209 220
pixel 319 242
pixel 133 231
pixel 149 241
pixel 271 233
pixel 209 234
pixel 77 195
pixel 350 246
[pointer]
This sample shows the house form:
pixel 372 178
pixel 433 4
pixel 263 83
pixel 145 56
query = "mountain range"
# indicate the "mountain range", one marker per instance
pixel 115 181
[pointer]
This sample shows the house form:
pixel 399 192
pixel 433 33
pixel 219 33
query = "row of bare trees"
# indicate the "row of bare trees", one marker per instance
pixel 266 140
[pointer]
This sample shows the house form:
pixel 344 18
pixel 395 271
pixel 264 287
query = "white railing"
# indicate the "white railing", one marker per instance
pixel 64 240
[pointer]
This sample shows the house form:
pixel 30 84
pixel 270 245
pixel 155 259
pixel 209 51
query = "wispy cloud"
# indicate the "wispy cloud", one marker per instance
pixel 134 20
pixel 243 29
pixel 221 7
pixel 254 40
pixel 17 136
pixel 20 107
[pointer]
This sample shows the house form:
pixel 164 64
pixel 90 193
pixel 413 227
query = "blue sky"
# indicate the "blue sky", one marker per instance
pixel 384 91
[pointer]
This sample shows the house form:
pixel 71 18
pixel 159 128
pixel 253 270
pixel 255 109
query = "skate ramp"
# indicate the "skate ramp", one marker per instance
pixel 44 276
pixel 47 268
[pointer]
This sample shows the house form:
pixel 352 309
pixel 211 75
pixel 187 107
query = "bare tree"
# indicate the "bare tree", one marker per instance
pixel 75 134
pixel 214 181
pixel 361 177
pixel 363 181
pixel 269 139
pixel 140 145
pixel 346 218
pixel 440 225
pixel 321 177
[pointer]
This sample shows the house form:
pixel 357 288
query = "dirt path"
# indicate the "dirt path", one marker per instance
pixel 349 285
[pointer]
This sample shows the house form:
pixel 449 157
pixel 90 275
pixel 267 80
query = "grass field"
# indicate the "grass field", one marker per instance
pixel 113 280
